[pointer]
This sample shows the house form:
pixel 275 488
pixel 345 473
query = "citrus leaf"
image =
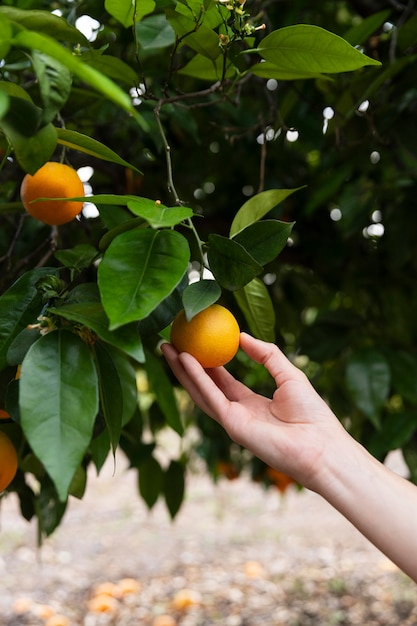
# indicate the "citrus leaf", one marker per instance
pixel 174 487
pixel 199 295
pixel 163 390
pixel 21 125
pixel 160 318
pixel 151 263
pixel 156 214
pixel 199 38
pixel 151 480
pixel 208 69
pixel 232 266
pixel 110 393
pixel 44 22
pixel 308 48
pixel 113 67
pixel 270 70
pixel 54 82
pixel 99 82
pixel 58 403
pixel 87 145
pixel 256 305
pixel 368 379
pixel 154 33
pixel 264 240
pixel 6 34
pixel 92 315
pixel 361 32
pixel 20 305
pixel 257 207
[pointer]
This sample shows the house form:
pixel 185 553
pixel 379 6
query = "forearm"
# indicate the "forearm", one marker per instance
pixel 381 504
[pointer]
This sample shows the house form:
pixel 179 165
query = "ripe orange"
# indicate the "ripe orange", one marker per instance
pixel 52 180
pixel 8 461
pixel 279 479
pixel 4 415
pixel 211 336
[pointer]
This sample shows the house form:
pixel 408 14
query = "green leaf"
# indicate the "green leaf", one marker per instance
pixel 99 449
pixel 154 33
pixel 163 390
pixel 122 10
pixel 58 403
pixel 110 66
pixel 78 258
pixel 92 315
pixel 174 487
pixel 111 391
pixel 368 379
pixel 83 143
pixel 44 22
pixel 4 103
pixel 32 147
pixel 54 82
pixel 257 207
pixel 6 34
pixel 404 374
pixel 157 215
pixel 199 295
pixel 199 38
pixel 50 508
pixel 410 457
pixel 151 481
pixel 204 68
pixel 264 240
pixel 270 70
pixel 308 48
pixel 33 152
pixel 396 431
pixel 361 32
pixel 139 269
pixel 256 305
pixel 20 305
pixel 21 344
pixel 165 312
pixel 232 266
pixel 99 82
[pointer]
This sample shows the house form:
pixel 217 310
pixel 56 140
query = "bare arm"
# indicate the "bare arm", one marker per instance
pixel 297 433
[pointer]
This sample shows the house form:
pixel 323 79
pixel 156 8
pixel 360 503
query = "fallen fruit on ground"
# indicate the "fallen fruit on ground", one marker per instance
pixel 8 461
pixel 211 336
pixel 52 180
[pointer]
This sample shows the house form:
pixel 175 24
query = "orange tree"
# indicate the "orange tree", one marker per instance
pixel 256 154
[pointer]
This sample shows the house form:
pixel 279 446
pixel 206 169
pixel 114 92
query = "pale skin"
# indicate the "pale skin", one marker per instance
pixel 297 433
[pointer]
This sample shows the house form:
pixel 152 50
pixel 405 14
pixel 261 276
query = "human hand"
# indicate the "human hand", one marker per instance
pixel 290 432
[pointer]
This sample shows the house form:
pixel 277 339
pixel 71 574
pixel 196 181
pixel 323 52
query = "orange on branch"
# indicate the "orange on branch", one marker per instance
pixel 52 180
pixel 8 461
pixel 211 336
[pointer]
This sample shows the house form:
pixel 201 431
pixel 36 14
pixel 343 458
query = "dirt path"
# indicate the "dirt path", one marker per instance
pixel 245 556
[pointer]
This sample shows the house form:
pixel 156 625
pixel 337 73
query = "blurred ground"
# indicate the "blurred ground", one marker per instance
pixel 236 555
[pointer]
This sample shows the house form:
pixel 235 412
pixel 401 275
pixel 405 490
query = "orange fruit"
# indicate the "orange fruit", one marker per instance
pixel 164 620
pixel 211 336
pixel 8 461
pixel 279 479
pixel 4 415
pixel 185 599
pixel 52 180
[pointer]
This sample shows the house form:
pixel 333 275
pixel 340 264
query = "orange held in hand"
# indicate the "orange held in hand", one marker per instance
pixel 52 180
pixel 8 461
pixel 211 336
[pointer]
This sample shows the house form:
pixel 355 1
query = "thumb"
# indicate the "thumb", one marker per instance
pixel 271 357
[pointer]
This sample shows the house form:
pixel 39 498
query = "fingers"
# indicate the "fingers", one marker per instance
pixel 201 387
pixel 269 355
